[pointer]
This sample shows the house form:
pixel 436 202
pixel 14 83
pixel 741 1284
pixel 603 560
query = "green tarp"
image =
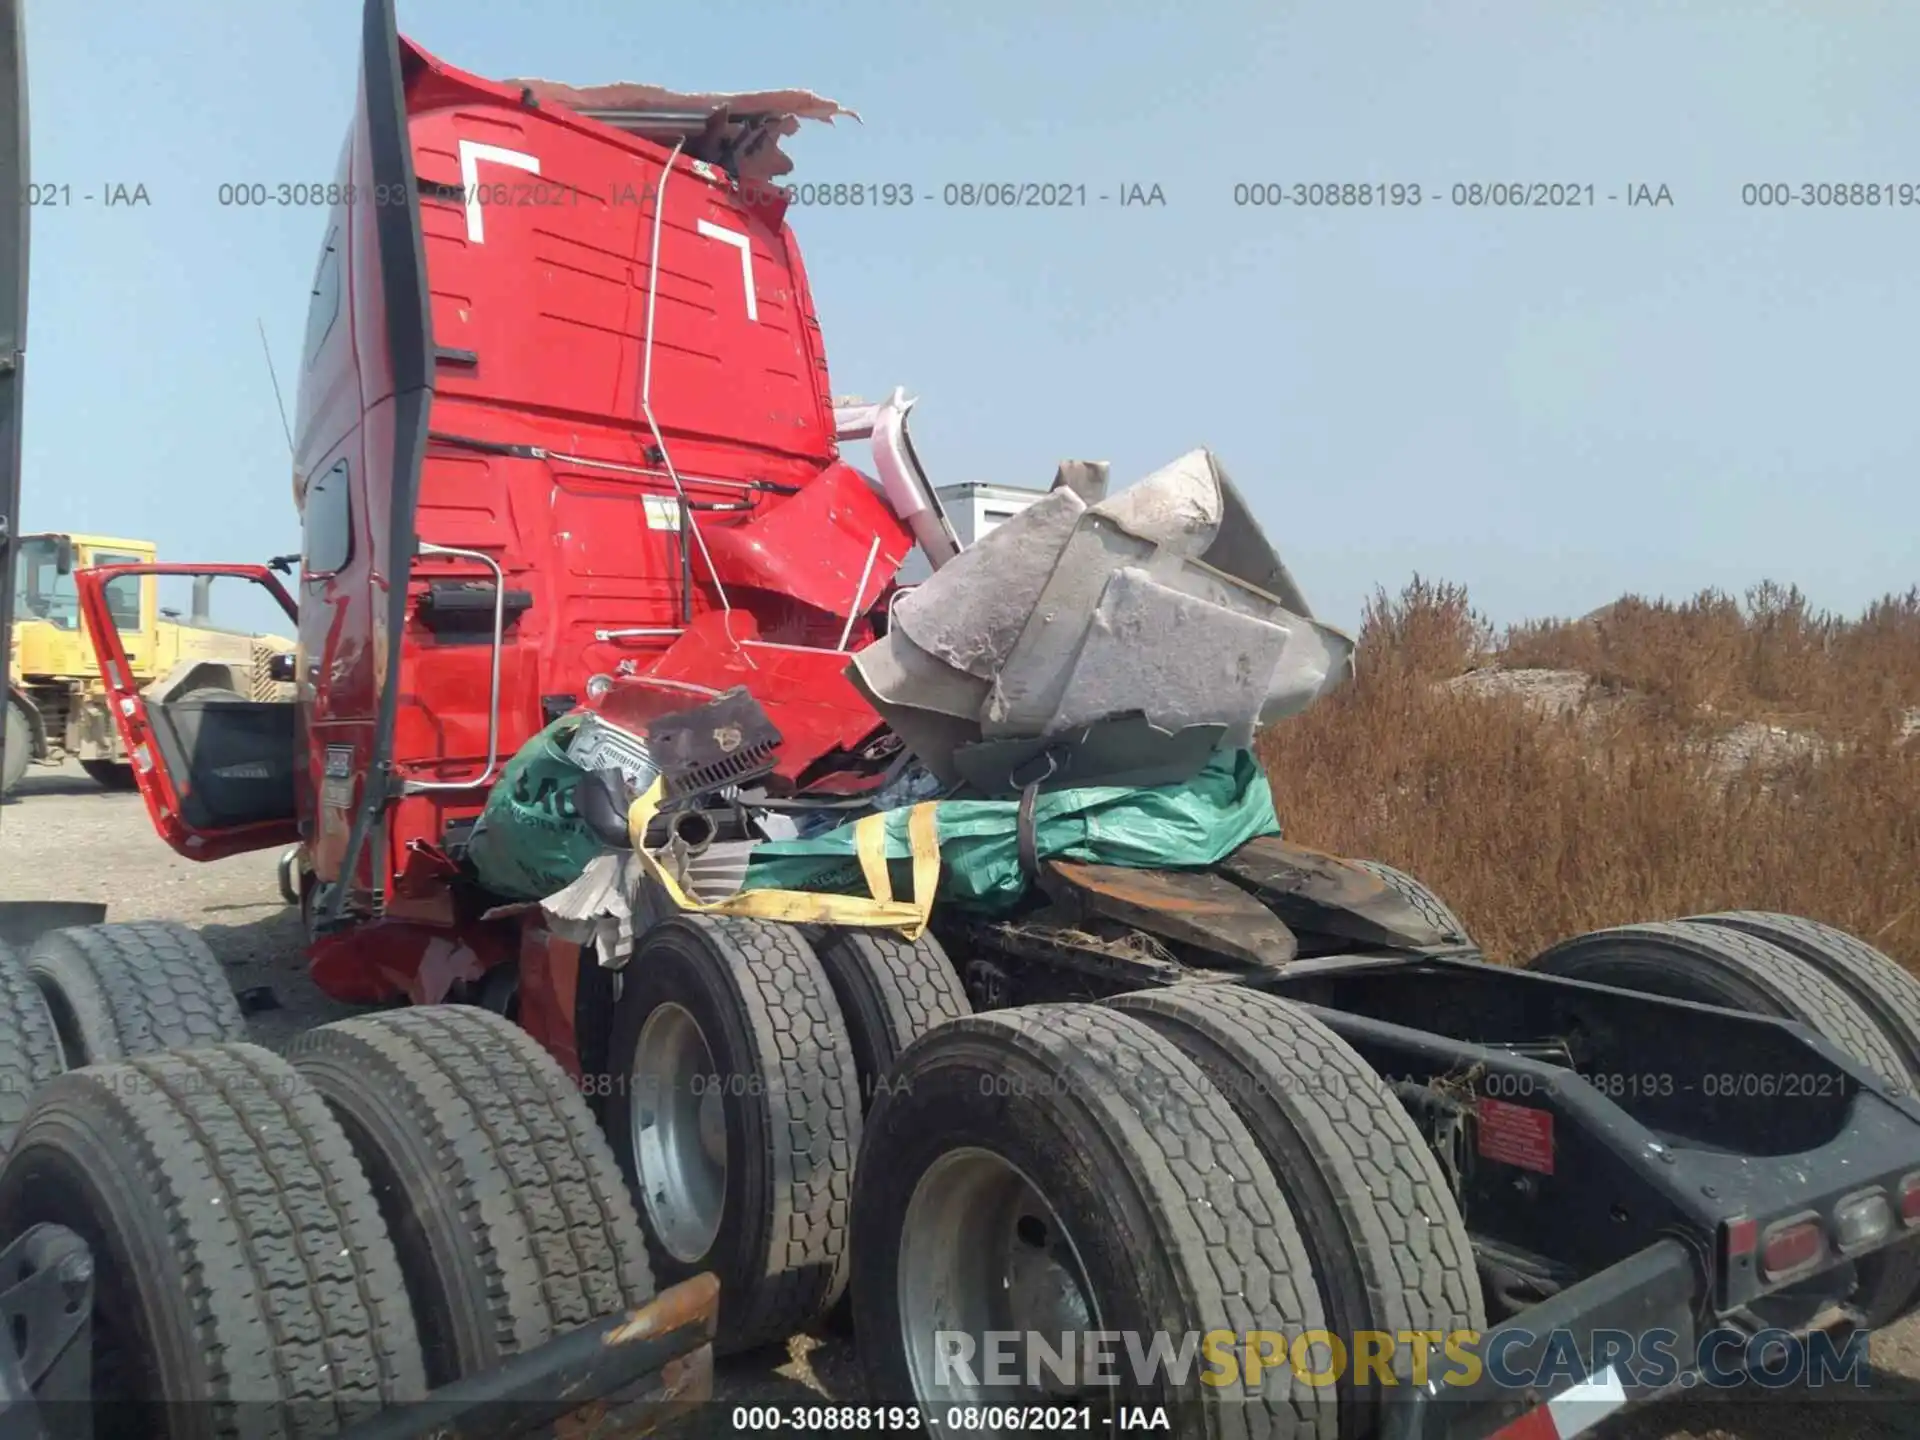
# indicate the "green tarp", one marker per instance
pixel 530 840
pixel 1193 824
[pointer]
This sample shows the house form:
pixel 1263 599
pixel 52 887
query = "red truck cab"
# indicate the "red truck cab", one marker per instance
pixel 563 417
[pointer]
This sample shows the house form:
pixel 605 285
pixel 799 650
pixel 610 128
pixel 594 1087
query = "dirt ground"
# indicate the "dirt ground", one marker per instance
pixel 63 838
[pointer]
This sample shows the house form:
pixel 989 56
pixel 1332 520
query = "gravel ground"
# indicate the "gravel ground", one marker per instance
pixel 63 838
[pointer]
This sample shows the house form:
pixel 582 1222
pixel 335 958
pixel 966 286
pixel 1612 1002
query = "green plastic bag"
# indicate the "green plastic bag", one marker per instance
pixel 1169 827
pixel 530 840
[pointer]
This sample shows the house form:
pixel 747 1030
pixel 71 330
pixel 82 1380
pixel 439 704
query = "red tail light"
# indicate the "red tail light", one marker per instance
pixel 1910 1199
pixel 1791 1246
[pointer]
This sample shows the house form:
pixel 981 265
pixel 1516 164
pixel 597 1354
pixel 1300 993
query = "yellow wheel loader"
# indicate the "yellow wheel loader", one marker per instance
pixel 56 702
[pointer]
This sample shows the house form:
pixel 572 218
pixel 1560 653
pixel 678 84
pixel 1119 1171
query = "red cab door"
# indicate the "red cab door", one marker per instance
pixel 218 769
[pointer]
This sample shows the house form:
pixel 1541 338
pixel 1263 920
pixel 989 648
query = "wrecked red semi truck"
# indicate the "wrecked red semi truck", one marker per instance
pixel 565 436
pixel 563 418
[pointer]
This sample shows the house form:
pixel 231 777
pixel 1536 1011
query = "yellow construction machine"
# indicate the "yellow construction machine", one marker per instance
pixel 56 702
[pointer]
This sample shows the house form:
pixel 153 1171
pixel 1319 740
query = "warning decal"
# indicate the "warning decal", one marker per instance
pixel 1516 1135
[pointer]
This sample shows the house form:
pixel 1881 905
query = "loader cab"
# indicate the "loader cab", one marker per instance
pixel 43 590
pixel 50 634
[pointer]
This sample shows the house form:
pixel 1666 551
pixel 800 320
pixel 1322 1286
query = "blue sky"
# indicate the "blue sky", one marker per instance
pixel 1551 406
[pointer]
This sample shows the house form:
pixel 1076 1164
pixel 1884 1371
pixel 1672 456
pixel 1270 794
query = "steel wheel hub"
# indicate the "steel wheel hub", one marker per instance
pixel 679 1133
pixel 982 1250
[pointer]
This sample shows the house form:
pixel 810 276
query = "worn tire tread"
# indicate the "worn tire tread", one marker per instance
pixel 1237 1256
pixel 136 987
pixel 547 1218
pixel 812 1118
pixel 1403 1227
pixel 295 1292
pixel 911 986
pixel 30 1052
pixel 1421 897
pixel 1874 980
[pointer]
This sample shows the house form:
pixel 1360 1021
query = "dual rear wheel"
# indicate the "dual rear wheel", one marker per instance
pixel 1791 968
pixel 741 1059
pixel 290 1244
pixel 1183 1162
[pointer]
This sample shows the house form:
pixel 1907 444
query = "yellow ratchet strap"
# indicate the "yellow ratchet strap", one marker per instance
pixel 805 907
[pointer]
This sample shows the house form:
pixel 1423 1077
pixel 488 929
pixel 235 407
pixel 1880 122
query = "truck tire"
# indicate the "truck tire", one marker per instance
pixel 733 1107
pixel 1373 1207
pixel 239 1259
pixel 1730 967
pixel 111 774
pixel 19 748
pixel 1421 897
pixel 1716 965
pixel 507 1211
pixel 133 988
pixel 1875 981
pixel 29 1045
pixel 1877 985
pixel 891 992
pixel 1065 1168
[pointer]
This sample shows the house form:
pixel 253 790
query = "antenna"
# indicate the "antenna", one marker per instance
pixel 267 351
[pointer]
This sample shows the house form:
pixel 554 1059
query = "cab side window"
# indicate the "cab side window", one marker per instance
pixel 327 521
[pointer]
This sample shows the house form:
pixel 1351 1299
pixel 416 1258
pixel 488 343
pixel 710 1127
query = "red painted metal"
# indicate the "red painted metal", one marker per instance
pixel 128 707
pixel 549 986
pixel 537 225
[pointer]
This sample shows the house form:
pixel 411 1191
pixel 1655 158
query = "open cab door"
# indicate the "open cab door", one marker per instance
pixel 217 767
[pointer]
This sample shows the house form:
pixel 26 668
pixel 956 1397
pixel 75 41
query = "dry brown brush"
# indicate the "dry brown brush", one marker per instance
pixel 1535 825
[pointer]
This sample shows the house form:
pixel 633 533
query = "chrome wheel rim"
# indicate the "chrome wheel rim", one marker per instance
pixel 679 1133
pixel 982 1250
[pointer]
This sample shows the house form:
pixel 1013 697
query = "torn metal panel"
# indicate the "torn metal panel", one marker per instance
pixel 1161 526
pixel 895 671
pixel 1177 507
pixel 1321 894
pixel 1086 478
pixel 1150 604
pixel 986 594
pixel 1027 690
pixel 1189 907
pixel 741 131
pixel 834 546
pixel 930 735
pixel 1240 549
pixel 1207 662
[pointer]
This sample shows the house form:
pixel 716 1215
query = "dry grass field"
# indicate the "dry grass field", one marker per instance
pixel 1650 761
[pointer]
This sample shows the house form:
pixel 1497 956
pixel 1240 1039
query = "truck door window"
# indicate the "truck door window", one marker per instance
pixel 123 595
pixel 41 592
pixel 326 519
